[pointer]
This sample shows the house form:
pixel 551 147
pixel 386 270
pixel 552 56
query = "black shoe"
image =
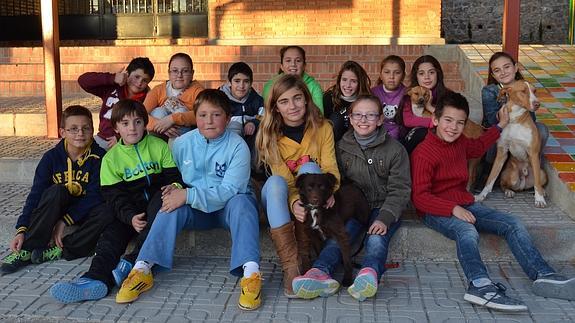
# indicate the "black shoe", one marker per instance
pixel 15 261
pixel 555 286
pixel 493 296
pixel 46 254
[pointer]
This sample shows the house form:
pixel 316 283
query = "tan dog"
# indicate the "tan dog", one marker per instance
pixel 521 139
pixel 420 96
pixel 472 130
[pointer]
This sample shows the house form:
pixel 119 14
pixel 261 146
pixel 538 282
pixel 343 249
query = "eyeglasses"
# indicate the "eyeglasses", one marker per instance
pixel 369 116
pixel 75 130
pixel 184 71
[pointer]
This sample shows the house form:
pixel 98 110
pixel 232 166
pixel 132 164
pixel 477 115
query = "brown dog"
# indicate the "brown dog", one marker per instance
pixel 521 139
pixel 323 223
pixel 420 97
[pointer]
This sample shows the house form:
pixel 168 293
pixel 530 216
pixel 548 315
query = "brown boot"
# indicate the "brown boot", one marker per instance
pixel 286 247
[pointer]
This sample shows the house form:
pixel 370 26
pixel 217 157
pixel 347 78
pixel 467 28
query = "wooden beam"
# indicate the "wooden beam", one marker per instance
pixel 52 80
pixel 511 23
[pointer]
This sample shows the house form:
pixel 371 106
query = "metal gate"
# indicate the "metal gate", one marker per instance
pixel 107 19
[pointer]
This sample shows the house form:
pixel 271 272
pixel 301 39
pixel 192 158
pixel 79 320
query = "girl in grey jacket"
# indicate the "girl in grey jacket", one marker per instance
pixel 379 165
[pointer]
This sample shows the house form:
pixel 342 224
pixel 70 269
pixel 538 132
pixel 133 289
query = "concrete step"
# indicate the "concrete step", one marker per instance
pixel 551 229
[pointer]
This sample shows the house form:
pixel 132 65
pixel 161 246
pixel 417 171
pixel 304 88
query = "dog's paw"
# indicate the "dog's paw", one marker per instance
pixel 480 197
pixel 509 193
pixel 540 200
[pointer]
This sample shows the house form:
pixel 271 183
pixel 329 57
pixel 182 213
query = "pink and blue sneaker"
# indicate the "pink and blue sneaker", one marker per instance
pixel 313 284
pixel 364 285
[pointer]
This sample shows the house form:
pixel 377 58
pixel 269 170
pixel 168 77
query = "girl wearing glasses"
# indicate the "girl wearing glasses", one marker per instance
pixel 426 72
pixel 379 165
pixel 351 82
pixel 293 138
pixel 170 104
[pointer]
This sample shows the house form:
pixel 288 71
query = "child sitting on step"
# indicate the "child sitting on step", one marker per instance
pixel 129 84
pixel 133 174
pixel 215 166
pixel 65 191
pixel 439 174
pixel 385 181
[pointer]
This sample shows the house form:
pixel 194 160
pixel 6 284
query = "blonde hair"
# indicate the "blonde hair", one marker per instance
pixel 270 129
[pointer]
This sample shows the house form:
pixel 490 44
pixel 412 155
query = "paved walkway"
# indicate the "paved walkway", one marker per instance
pixel 551 69
pixel 199 289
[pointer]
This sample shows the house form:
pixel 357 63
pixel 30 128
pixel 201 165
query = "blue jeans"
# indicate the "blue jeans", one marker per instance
pixel 489 220
pixel 240 216
pixel 376 247
pixel 275 196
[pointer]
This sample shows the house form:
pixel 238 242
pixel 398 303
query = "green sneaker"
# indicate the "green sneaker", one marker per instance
pixel 46 254
pixel 15 261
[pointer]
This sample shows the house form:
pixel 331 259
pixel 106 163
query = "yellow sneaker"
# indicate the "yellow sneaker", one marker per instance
pixel 136 283
pixel 250 298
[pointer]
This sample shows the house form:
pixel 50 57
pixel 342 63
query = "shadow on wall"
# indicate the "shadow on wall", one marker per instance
pixel 274 6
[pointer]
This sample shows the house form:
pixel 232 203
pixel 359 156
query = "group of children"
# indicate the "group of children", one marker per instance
pixel 143 189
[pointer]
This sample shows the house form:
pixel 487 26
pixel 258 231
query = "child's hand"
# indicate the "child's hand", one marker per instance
pixel 111 141
pixel 121 78
pixel 298 211
pixel 330 202
pixel 138 222
pixel 167 189
pixel 58 233
pixel 172 132
pixel 163 124
pixel 174 200
pixel 377 227
pixel 17 242
pixel 463 214
pixel 249 128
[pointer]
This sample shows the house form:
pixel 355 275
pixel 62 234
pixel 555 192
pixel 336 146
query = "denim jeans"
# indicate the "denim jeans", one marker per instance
pixel 275 196
pixel 376 247
pixel 240 216
pixel 489 220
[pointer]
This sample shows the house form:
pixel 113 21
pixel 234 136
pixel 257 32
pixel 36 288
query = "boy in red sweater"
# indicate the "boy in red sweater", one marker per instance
pixel 439 175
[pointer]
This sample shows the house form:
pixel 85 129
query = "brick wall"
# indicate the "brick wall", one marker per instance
pixel 23 74
pixel 309 21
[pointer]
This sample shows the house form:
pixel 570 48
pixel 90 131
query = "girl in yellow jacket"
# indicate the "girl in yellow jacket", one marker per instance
pixel 293 139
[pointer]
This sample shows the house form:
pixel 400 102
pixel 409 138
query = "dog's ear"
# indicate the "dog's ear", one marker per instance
pixel 503 93
pixel 410 91
pixel 427 95
pixel 299 180
pixel 331 180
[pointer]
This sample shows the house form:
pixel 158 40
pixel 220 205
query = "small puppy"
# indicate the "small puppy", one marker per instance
pixel 323 223
pixel 420 96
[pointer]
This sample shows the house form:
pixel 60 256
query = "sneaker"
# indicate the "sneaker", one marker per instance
pixel 136 283
pixel 313 284
pixel 555 286
pixel 15 261
pixel 250 298
pixel 121 272
pixel 493 296
pixel 83 289
pixel 364 285
pixel 46 254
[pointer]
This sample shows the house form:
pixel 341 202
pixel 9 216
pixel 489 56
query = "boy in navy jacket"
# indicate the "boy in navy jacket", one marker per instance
pixel 66 191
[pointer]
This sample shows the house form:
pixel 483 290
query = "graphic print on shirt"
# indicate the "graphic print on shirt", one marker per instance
pixel 220 169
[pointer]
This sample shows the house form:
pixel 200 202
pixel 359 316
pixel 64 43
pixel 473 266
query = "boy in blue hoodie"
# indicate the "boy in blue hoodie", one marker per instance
pixel 215 166
pixel 133 174
pixel 65 191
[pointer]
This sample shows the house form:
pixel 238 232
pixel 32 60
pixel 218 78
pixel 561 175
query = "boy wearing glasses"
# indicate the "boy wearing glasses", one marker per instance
pixel 170 104
pixel 65 191
pixel 111 87
pixel 134 174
